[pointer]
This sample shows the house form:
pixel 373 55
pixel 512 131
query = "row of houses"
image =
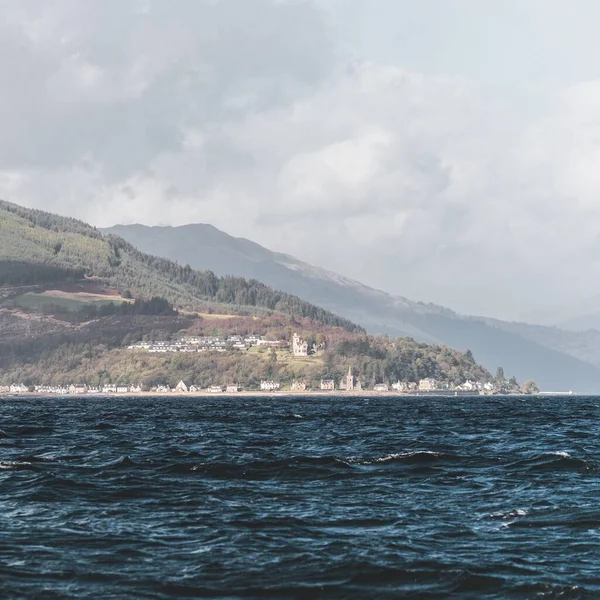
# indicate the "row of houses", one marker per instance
pixel 207 344
pixel 64 390
pixel 348 383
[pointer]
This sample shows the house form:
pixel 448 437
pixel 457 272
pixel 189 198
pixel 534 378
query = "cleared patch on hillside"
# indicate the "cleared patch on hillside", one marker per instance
pixel 67 296
pixel 216 317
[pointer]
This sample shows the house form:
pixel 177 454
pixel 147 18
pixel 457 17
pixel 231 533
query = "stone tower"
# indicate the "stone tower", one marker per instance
pixel 349 380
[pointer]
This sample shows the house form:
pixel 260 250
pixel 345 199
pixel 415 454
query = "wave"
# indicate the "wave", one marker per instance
pixel 103 426
pixel 419 456
pixel 306 466
pixel 517 512
pixel 294 467
pixel 556 461
pixel 15 465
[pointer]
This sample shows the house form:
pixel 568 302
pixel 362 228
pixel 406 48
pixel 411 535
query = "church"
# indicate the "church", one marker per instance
pixel 349 383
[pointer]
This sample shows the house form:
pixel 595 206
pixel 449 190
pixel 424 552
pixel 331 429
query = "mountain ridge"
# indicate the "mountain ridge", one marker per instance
pixel 73 300
pixel 528 353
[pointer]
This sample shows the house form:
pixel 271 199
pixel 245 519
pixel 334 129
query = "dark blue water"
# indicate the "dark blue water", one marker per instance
pixel 300 498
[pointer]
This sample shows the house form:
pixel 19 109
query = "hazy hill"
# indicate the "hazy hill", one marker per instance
pixel 548 355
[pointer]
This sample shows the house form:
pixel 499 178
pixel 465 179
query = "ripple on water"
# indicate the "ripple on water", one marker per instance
pixel 385 498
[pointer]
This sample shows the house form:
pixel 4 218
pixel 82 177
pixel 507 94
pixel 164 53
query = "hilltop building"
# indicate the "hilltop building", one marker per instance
pixel 299 346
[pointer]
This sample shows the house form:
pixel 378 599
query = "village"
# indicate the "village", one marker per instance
pixel 348 384
pixel 299 348
pixel 231 343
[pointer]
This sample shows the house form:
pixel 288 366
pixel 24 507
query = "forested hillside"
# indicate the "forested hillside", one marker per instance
pixel 56 351
pixel 38 248
pixel 73 299
pixel 556 359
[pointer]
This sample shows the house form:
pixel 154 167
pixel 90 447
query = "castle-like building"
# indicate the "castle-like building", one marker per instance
pixel 299 346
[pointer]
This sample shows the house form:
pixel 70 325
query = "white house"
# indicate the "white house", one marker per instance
pixel 381 387
pixel 18 388
pixel 78 388
pixel 269 386
pixel 298 386
pixel 428 385
pixel 181 388
pixel 232 388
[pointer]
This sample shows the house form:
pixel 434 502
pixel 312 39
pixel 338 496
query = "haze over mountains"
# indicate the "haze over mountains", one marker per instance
pixel 557 359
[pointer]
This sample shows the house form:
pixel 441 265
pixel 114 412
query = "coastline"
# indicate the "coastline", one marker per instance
pixel 285 394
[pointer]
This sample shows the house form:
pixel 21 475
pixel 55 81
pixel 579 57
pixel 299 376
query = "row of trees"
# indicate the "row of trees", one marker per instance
pixel 16 272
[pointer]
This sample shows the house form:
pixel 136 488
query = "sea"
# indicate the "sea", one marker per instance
pixel 161 498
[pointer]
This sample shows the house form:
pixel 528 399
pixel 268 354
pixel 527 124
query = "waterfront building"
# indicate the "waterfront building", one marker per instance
pixel 327 385
pixel 232 389
pixel 78 388
pixel 428 385
pixel 298 386
pixel 381 387
pixel 348 382
pixel 269 386
pixel 181 388
pixel 18 388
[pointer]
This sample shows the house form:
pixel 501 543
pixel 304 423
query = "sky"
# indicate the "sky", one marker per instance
pixel 443 150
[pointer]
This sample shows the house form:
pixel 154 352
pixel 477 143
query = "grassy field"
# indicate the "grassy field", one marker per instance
pixel 216 317
pixel 39 302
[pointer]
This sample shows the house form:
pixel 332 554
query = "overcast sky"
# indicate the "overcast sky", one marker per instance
pixel 445 150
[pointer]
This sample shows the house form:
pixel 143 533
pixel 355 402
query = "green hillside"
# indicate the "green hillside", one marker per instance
pixel 73 299
pixel 40 248
pixel 558 360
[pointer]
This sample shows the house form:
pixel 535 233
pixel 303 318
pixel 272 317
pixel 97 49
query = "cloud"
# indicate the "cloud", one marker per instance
pixel 248 116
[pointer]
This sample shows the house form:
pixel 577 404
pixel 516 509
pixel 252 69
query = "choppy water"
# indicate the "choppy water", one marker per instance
pixel 300 498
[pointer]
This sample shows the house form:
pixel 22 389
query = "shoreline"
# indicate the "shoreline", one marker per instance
pixel 284 394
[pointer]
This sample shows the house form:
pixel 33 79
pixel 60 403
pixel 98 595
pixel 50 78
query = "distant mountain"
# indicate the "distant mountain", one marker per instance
pixel 556 359
pixel 582 322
